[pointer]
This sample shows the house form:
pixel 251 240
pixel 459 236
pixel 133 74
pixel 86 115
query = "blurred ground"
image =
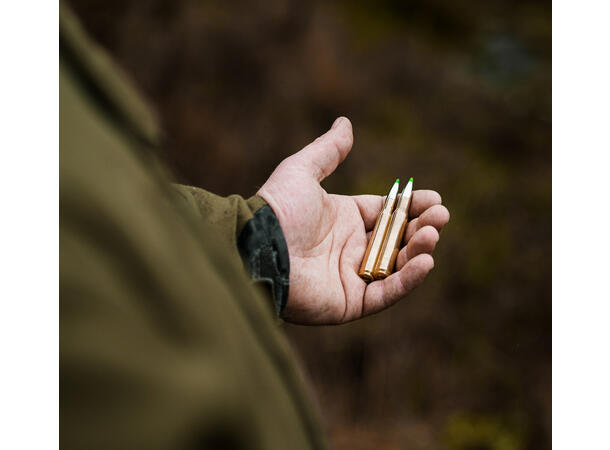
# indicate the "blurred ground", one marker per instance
pixel 455 94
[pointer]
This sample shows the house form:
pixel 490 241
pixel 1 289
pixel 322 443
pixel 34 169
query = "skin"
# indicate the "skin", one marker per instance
pixel 327 235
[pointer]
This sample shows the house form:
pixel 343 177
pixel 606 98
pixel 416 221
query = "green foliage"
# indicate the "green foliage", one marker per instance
pixel 477 432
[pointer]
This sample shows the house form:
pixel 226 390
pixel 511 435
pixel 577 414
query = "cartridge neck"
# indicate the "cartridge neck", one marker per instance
pixel 403 202
pixel 405 199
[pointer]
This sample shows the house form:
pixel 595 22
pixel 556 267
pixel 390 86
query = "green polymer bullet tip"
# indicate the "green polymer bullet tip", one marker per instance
pixel 397 180
pixel 411 180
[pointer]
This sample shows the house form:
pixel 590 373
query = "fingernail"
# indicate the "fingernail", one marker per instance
pixel 337 122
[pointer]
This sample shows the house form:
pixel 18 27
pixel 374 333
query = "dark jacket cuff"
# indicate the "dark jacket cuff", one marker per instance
pixel 264 252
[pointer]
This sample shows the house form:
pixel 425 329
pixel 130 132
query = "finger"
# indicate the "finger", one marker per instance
pixel 423 241
pixel 323 155
pixel 436 216
pixel 369 206
pixel 401 259
pixel 422 200
pixel 384 293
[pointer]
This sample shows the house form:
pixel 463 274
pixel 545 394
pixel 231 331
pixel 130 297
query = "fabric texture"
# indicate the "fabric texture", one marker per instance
pixel 164 341
pixel 265 254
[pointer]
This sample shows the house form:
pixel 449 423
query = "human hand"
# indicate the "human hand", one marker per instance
pixel 326 235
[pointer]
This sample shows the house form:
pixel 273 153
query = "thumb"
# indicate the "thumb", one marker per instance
pixel 323 155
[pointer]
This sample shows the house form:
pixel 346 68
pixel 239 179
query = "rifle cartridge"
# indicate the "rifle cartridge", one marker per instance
pixel 384 265
pixel 374 246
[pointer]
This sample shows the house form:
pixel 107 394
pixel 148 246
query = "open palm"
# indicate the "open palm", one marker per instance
pixel 326 235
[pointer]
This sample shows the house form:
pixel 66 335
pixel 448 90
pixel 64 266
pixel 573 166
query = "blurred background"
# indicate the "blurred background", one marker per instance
pixel 455 94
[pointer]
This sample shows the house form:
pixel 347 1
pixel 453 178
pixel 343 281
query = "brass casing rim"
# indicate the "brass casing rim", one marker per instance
pixel 381 274
pixel 367 275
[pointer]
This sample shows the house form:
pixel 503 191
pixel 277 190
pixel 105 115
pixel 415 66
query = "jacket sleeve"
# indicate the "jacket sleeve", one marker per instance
pixel 164 343
pixel 251 230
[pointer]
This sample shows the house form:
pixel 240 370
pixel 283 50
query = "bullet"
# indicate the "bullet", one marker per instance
pixel 384 264
pixel 374 246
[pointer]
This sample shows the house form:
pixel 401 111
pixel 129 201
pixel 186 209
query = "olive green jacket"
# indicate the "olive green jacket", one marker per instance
pixel 164 341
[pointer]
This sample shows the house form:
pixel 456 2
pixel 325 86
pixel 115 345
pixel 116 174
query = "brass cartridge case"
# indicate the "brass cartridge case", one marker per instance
pixel 384 265
pixel 374 246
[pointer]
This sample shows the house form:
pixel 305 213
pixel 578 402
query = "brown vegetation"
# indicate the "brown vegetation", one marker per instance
pixel 456 94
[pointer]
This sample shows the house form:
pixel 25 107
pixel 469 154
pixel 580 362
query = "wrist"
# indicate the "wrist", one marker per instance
pixel 264 252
